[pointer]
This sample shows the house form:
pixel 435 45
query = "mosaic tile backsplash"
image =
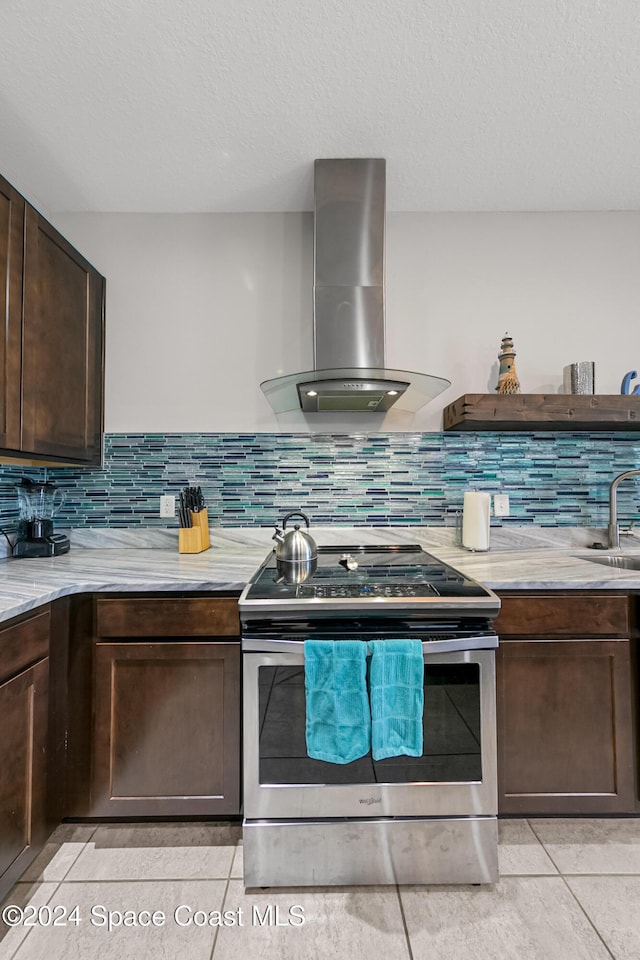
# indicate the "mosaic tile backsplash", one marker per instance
pixel 377 480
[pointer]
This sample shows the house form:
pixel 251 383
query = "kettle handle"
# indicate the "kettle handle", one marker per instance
pixel 295 513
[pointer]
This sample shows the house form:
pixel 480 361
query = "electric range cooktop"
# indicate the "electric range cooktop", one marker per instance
pixel 361 578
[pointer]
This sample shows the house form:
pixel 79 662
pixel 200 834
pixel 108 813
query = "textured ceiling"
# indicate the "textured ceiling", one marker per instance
pixel 222 105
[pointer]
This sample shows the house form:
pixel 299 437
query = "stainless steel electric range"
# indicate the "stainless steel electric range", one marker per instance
pixel 427 819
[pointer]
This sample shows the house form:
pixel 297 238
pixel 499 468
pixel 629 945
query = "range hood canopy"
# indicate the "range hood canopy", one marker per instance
pixel 350 374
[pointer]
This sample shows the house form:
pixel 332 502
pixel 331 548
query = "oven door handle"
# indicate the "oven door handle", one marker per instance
pixel 455 644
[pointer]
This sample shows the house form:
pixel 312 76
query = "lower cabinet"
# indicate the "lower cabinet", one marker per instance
pixel 141 716
pixel 24 704
pixel 566 692
pixel 166 738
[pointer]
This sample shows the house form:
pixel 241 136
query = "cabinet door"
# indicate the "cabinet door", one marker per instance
pixel 12 207
pixel 62 347
pixel 23 824
pixel 167 729
pixel 565 740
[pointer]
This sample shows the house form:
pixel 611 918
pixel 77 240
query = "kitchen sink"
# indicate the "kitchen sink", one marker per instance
pixel 614 560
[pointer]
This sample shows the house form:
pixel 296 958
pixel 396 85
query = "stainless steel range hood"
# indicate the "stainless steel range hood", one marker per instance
pixel 350 374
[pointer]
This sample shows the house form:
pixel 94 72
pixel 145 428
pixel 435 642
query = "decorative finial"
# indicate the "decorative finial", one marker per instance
pixel 507 378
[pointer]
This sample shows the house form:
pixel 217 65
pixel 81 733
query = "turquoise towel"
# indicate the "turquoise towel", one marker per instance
pixel 338 722
pixel 397 698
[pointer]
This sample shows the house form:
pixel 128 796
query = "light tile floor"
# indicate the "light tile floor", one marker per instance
pixel 568 890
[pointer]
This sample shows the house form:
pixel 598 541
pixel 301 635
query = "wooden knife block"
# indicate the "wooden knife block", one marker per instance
pixel 195 539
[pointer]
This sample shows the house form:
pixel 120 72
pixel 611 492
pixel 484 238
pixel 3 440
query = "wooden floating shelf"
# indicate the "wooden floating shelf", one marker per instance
pixel 542 411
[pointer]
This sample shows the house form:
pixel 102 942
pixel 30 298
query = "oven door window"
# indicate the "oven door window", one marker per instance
pixel 451 753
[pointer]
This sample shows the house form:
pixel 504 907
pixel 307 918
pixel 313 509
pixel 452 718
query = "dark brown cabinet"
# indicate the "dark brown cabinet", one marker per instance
pixel 12 208
pixel 62 347
pixel 24 686
pixel 51 362
pixel 565 703
pixel 166 736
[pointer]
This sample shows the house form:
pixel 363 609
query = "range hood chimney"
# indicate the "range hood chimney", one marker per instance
pixel 350 374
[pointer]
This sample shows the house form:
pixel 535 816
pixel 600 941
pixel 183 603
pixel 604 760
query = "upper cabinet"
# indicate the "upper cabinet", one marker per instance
pixel 52 348
pixel 12 207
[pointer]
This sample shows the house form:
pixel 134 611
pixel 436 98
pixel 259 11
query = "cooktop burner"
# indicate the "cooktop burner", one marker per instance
pixel 357 577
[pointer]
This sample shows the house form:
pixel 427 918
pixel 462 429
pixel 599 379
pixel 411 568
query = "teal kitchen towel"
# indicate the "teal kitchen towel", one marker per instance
pixel 397 698
pixel 338 719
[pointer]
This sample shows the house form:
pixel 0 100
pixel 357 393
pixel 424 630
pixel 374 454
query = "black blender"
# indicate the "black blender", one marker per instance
pixel 39 503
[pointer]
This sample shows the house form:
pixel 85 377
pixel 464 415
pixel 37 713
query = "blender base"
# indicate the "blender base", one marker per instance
pixel 51 546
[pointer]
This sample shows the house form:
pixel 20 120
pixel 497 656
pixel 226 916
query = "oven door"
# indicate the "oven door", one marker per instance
pixel 455 776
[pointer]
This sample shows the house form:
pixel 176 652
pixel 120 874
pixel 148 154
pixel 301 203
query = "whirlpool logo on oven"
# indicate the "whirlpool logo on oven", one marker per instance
pixel 369 800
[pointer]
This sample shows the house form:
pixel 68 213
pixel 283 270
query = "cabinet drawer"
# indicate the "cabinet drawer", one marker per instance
pixel 24 643
pixel 564 615
pixel 168 617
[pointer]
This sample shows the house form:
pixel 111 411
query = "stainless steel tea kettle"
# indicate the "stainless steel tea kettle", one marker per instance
pixel 295 546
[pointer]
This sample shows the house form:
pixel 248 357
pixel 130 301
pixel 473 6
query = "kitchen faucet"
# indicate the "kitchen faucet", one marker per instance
pixel 614 529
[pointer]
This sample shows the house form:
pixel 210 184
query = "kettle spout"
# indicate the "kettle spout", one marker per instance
pixel 278 536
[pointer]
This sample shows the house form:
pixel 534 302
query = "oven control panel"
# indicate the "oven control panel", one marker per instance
pixel 348 590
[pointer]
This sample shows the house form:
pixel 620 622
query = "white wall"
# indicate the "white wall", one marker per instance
pixel 201 308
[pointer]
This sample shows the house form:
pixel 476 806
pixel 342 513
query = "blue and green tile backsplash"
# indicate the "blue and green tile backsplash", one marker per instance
pixel 382 479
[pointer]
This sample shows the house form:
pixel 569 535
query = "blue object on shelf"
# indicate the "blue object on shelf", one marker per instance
pixel 625 389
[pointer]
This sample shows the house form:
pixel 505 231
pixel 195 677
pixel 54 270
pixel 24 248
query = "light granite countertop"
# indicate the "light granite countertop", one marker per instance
pixel 126 561
pixel 26 584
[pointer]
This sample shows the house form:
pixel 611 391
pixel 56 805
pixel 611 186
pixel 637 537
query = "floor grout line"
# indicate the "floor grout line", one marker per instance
pixel 175 879
pixel 222 906
pixel 84 845
pixel 578 876
pixel 404 923
pixel 220 879
pixel 544 847
pixel 47 901
pixel 565 876
pixel 568 873
pixel 588 919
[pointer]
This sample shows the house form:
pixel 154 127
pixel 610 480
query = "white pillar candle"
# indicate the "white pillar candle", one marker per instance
pixel 475 521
